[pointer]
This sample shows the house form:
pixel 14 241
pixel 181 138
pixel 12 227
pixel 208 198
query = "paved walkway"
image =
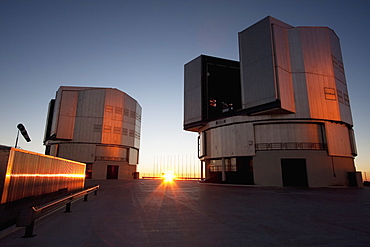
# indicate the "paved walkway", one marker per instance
pixel 186 213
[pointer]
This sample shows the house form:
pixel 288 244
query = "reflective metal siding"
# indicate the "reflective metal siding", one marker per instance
pixel 193 91
pixel 133 156
pixel 288 132
pixel 319 73
pixel 89 116
pixel 298 76
pixel 283 68
pixel 113 153
pixel 130 119
pixel 67 114
pixel 265 66
pixel 256 65
pixel 113 116
pixel 338 138
pixel 77 151
pixel 230 141
pixel 340 79
pixel 137 128
pixel 32 174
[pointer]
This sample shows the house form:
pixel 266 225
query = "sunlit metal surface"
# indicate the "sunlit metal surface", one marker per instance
pixel 47 175
pixel 32 174
pixel 294 105
pixel 96 126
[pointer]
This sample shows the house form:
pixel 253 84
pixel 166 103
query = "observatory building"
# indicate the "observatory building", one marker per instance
pixel 279 117
pixel 96 126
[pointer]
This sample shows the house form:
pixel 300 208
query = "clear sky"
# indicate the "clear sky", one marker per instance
pixel 140 47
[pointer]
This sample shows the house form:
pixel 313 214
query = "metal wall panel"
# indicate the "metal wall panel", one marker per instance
pixel 133 156
pixel 67 114
pixel 340 79
pixel 338 139
pixel 54 124
pixel 288 132
pixel 256 65
pixel 230 141
pixel 193 91
pixel 90 110
pixel 33 174
pixel 77 151
pixel 265 66
pixel 113 116
pixel 128 134
pixel 298 76
pixel 107 152
pixel 316 48
pixel 137 128
pixel 283 68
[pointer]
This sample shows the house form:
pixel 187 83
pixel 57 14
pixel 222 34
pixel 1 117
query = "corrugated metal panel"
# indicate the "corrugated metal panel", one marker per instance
pixel 193 91
pixel 338 139
pixel 67 113
pixel 32 174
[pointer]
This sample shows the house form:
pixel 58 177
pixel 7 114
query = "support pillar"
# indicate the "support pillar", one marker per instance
pixel 201 169
pixel 223 166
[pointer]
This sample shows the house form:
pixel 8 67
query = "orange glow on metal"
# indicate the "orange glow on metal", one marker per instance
pixel 47 175
pixel 168 177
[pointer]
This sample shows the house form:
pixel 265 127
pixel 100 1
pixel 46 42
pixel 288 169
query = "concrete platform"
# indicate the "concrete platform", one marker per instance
pixel 187 213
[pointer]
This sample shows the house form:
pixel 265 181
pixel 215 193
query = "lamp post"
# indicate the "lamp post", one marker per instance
pixel 23 131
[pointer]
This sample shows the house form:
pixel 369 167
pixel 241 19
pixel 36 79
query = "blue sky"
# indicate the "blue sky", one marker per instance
pixel 140 47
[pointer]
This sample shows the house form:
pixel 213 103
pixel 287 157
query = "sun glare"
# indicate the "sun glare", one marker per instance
pixel 168 177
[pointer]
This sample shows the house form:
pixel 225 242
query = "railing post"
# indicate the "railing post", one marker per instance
pixel 85 197
pixel 68 208
pixel 29 231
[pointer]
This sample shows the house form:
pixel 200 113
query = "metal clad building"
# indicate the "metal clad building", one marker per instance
pixel 285 121
pixel 97 126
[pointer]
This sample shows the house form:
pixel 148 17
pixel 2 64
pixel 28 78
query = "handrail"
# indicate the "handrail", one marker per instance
pixel 70 197
pixel 28 217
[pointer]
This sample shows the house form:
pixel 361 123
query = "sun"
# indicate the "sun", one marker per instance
pixel 168 177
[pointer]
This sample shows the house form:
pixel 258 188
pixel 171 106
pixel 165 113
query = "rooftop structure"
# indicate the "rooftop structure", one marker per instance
pixel 279 117
pixel 96 126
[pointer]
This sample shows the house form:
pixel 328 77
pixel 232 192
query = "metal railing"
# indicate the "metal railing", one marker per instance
pixel 28 216
pixel 291 146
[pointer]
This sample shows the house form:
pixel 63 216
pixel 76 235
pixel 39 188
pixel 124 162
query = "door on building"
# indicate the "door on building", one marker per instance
pixel 244 167
pixel 294 172
pixel 112 172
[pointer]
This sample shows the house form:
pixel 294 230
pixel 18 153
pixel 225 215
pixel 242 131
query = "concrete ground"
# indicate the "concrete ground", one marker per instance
pixel 188 213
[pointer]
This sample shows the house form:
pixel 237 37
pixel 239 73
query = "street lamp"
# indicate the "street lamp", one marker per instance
pixel 23 131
